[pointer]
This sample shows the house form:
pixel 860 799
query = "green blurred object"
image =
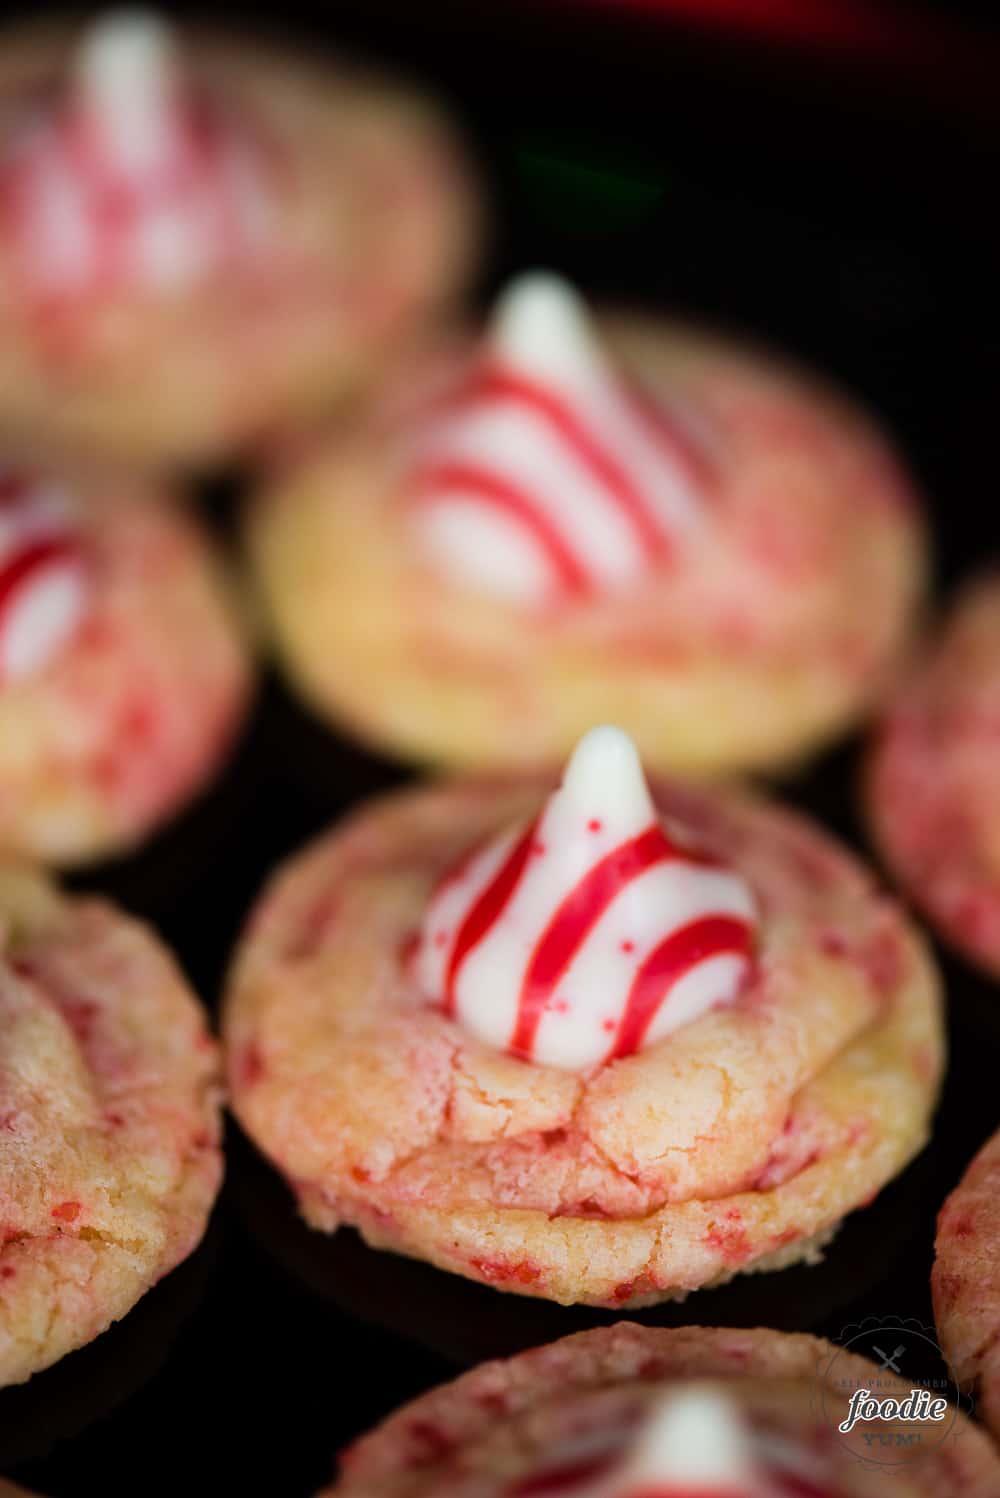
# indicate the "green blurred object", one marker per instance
pixel 584 185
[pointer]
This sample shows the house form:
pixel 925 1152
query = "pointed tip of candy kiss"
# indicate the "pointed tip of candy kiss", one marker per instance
pixel 695 1436
pixel 122 53
pixel 605 762
pixel 540 321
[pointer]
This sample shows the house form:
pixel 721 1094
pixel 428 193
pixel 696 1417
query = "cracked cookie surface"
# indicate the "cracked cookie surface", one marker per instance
pixel 500 1429
pixel 737 1143
pixel 110 1154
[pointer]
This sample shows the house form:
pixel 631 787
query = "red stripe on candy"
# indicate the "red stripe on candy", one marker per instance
pixel 499 494
pixel 486 911
pixel 507 385
pixel 573 921
pixel 676 955
pixel 26 565
pixel 561 1479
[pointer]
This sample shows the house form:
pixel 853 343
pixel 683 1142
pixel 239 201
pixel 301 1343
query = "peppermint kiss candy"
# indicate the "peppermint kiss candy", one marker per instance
pixel 590 934
pixel 695 1444
pixel 44 584
pixel 132 182
pixel 544 476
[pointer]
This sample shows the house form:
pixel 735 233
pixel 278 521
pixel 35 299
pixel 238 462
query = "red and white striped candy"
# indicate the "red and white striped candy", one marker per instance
pixel 591 933
pixel 545 476
pixel 44 578
pixel 696 1442
pixel 130 183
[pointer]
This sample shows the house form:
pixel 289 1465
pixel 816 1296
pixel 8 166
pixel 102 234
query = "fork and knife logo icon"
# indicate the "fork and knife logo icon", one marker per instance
pixel 889 1361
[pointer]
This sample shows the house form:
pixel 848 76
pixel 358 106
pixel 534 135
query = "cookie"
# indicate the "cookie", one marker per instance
pixel 110 1153
pixel 693 1412
pixel 124 672
pixel 203 241
pixel 579 518
pixel 966 1280
pixel 932 785
pixel 594 1047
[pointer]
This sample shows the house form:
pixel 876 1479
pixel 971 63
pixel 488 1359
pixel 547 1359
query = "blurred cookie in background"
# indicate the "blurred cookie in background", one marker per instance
pixel 932 784
pixel 577 517
pixel 693 1412
pixel 202 241
pixel 124 669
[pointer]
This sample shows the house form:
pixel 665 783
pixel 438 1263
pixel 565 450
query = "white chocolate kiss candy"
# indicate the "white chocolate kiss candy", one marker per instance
pixel 125 79
pixel 591 933
pixel 695 1442
pixel 130 181
pixel 545 477
pixel 45 583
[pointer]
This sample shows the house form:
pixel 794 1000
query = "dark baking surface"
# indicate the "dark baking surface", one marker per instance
pixel 837 208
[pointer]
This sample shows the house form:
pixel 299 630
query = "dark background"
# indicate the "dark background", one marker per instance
pixel 830 192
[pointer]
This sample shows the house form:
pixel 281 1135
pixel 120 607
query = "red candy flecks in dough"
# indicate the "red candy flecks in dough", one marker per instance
pixel 736 1143
pixel 124 669
pixel 110 1124
pixel 932 786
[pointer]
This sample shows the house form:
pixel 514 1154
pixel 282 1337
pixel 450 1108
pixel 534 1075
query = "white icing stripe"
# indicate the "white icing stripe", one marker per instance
pixel 589 933
pixel 545 415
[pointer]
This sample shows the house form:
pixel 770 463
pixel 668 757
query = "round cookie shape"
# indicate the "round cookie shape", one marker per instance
pixel 735 1142
pixel 932 784
pixel 203 241
pixel 124 672
pixel 500 1430
pixel 576 518
pixel 965 1281
pixel 109 1094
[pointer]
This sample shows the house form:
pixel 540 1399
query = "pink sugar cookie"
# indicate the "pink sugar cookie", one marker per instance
pixel 966 1280
pixel 785 1073
pixel 579 519
pixel 203 241
pixel 124 673
pixel 932 787
pixel 733 1414
pixel 110 1127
